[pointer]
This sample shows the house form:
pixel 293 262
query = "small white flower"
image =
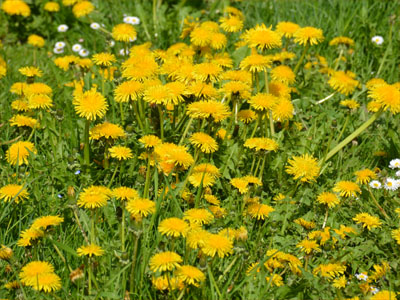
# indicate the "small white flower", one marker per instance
pixel 375 184
pixel 59 45
pixel 83 52
pixel 394 163
pixel 362 276
pixel 392 184
pixel 131 20
pixel 377 40
pixel 374 290
pixel 81 40
pixel 398 173
pixel 123 53
pixel 62 28
pixel 95 25
pixel 77 47
pixel 58 50
pixel 132 40
pixel 111 43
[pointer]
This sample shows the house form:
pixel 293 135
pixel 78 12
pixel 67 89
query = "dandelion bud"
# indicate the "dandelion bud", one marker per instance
pixel 5 253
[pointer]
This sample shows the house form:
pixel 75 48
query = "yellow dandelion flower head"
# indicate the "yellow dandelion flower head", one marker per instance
pixel 303 167
pixel 28 236
pixel 340 282
pixel 246 116
pixel 125 193
pixel 252 180
pixel 82 8
pixel 47 282
pixel 190 275
pixel 279 89
pixel 283 110
pixel 150 141
pixel 202 90
pixel 165 282
pixel 384 295
pixel 198 216
pixel 374 106
pixel 37 88
pixel 46 221
pixel 218 41
pixel 255 63
pixel 347 188
pixel 20 105
pixel 329 199
pixel 329 271
pixel 231 24
pixel 237 75
pixel 262 38
pixel 128 90
pixel 261 144
pixel 173 155
pixel 308 36
pixel 341 40
pixel 5 252
pixel 343 82
pixel 173 227
pixel 234 12
pixel 69 2
pixel 373 82
pixel 275 280
pixel 94 197
pixel 120 152
pixel 107 130
pixel 196 236
pixel 51 6
pixel 165 261
pixel 388 96
pixel 207 72
pixel 283 74
pixel 283 56
pixel 39 101
pixel 86 63
pixel 344 231
pixel 90 105
pixel 19 152
pixel 396 235
pixel 207 168
pixel 158 94
pixel 365 176
pixel 64 62
pixel 204 179
pixel 141 206
pixel 263 102
pixel 308 246
pixel 34 39
pixel 350 103
pixel 241 184
pixel 204 142
pixel 16 8
pixel 238 88
pixel 304 223
pixel 124 32
pixel 218 211
pixel 31 71
pixel 22 121
pixel 103 59
pixel 223 60
pixel 40 276
pixel 259 211
pixel 216 244
pixel 18 88
pixel 367 220
pixel 216 110
pixel 90 250
pixel 14 192
pixel 287 29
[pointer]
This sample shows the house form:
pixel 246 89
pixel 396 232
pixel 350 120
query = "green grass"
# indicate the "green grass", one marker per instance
pixel 51 171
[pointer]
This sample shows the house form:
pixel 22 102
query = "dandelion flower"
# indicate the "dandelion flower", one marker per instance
pixel 82 8
pixel 207 168
pixel 16 7
pixel 125 193
pixel 216 244
pixel 165 282
pixel 261 144
pixel 22 121
pixel 350 103
pixel 283 110
pixel 387 95
pixel 13 191
pixel 19 152
pixel 396 235
pixel 308 246
pixel 287 29
pixel 308 36
pixel 198 216
pixel 255 63
pixel 28 236
pixel 29 273
pixel 231 24
pixel 190 275
pixel 241 184
pixel 263 102
pixel 46 221
pixel 329 199
pixel 31 71
pixel 120 152
pixel 52 6
pixel 94 197
pixel 90 105
pixel 246 116
pixel 347 188
pixel 208 109
pixel 128 90
pixel 39 101
pixel 173 227
pixel 329 271
pixel 165 261
pixel 150 141
pixel 303 167
pixel 205 179
pixel 283 74
pixel 104 59
pixel 365 176
pixel 141 206
pixel 124 32
pixel 90 250
pixel 204 142
pixel 343 82
pixel 5 252
pixel 34 39
pixel 341 40
pixel 106 130
pixel 259 211
pixel 367 220
pixel 340 282
pixel 262 38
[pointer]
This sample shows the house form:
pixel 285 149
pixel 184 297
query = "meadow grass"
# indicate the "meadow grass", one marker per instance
pixel 57 175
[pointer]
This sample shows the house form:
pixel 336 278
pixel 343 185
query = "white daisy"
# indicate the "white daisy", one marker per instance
pixel 398 173
pixel 374 290
pixel 132 40
pixel 111 43
pixel 58 50
pixel 375 184
pixel 83 52
pixel 62 28
pixel 77 47
pixel 362 276
pixel 394 163
pixel 95 25
pixel 391 184
pixel 377 40
pixel 123 53
pixel 59 45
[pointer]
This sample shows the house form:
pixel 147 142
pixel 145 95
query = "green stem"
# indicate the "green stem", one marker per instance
pixel 113 176
pixel 260 175
pixel 301 59
pixel 386 52
pixel 160 111
pixel 122 113
pixel 90 276
pixel 106 160
pixel 212 281
pixel 86 150
pixel 138 119
pixel 377 204
pixel 132 280
pixel 123 229
pixel 344 127
pixel 339 58
pixel 353 135
pixel 92 231
pixel 147 182
pixel 186 131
